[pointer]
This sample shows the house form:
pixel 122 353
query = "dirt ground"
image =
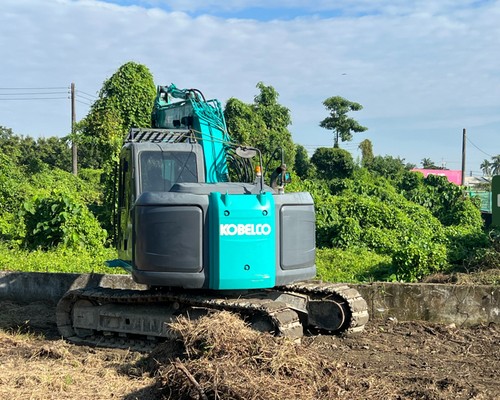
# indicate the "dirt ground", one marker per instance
pixel 390 360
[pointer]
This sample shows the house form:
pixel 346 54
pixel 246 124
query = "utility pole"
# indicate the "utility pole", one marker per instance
pixel 74 149
pixel 464 138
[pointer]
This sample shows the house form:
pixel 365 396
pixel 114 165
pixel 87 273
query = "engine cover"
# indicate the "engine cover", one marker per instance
pixel 242 241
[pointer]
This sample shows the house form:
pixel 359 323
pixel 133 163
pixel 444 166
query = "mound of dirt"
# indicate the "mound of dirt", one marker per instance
pixel 218 357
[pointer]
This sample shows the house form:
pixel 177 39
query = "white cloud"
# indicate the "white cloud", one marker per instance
pixel 422 72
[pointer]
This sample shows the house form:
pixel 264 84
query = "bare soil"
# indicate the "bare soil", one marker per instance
pixel 219 358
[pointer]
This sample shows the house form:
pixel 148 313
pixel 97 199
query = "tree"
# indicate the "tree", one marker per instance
pixel 495 165
pixel 303 164
pixel 125 101
pixel 388 167
pixel 486 167
pixel 35 155
pixel 366 151
pixel 338 121
pixel 333 163
pixel 427 163
pixel 263 124
pixel 10 143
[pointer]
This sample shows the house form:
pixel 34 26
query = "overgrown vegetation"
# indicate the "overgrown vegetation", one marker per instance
pixel 386 223
pixel 375 221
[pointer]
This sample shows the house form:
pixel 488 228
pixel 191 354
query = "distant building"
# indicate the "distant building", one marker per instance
pixel 477 181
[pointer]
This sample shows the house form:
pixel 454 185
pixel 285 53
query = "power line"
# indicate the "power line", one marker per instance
pixel 30 94
pixel 34 88
pixel 83 102
pixel 36 98
pixel 85 98
pixel 489 155
pixel 90 95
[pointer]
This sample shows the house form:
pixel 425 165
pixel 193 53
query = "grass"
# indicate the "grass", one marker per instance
pixel 352 265
pixel 56 260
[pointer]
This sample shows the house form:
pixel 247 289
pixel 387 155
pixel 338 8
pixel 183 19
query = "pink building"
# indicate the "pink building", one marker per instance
pixel 453 176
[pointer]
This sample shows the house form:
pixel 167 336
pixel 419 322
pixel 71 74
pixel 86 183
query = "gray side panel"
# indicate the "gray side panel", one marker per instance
pixel 298 245
pixel 169 238
pixel 296 239
pixel 170 232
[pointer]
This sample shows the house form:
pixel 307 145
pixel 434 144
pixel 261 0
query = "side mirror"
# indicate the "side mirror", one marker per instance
pixel 246 152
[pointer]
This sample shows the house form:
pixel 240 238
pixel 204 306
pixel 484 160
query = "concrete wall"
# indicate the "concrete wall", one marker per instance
pixel 462 305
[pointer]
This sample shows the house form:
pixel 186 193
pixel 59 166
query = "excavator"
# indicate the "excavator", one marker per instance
pixel 200 228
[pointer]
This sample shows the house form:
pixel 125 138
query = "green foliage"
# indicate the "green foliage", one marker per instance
pixel 333 163
pixel 303 166
pixel 352 265
pixel 35 155
pixel 366 148
pixel 447 201
pixel 388 167
pixel 459 214
pixel 43 206
pixel 427 163
pixel 60 220
pixel 483 260
pixel 12 184
pixel 10 143
pixel 414 260
pixel 263 124
pixel 125 101
pixel 338 121
pixel 486 166
pixel 369 213
pixel 464 242
pixel 13 189
pixel 85 187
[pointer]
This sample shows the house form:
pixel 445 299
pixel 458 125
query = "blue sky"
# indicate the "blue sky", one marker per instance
pixel 422 70
pixel 263 11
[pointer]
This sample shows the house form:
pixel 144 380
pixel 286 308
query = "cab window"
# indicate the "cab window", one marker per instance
pixel 161 170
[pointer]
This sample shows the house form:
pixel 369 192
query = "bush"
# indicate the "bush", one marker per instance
pixel 333 163
pixel 370 214
pixel 387 167
pixel 60 220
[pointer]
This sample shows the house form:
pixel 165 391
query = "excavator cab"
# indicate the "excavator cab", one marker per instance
pixel 178 230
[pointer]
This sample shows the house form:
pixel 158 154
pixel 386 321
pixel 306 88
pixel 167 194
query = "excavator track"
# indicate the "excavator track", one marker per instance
pixel 353 305
pixel 110 328
pixel 137 319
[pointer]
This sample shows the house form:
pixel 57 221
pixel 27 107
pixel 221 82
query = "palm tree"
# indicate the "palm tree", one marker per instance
pixel 495 165
pixel 486 167
pixel 427 163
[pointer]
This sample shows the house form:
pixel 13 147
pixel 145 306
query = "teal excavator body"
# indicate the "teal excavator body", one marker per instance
pixel 204 117
pixel 183 223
